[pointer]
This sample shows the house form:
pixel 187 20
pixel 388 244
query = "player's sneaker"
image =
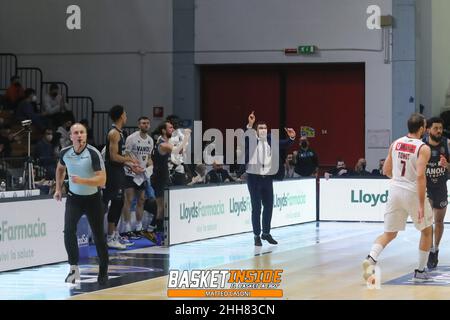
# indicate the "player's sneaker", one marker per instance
pixel 139 233
pixel 433 260
pixel 133 235
pixel 74 274
pixel 421 276
pixel 368 269
pixel 124 241
pixel 149 235
pixel 114 243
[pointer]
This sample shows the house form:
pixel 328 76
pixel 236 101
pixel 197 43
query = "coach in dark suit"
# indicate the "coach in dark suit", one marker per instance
pixel 259 158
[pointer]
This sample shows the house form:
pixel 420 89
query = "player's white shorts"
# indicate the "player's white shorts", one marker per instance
pixel 401 204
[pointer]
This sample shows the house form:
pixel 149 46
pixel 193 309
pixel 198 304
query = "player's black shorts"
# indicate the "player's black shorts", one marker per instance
pixel 159 183
pixel 438 196
pixel 129 183
pixel 115 177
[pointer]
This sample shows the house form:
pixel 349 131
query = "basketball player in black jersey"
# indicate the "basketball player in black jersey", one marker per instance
pixel 160 178
pixel 437 170
pixel 115 159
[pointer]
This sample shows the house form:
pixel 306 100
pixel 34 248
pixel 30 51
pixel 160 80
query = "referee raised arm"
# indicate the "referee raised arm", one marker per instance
pixel 86 171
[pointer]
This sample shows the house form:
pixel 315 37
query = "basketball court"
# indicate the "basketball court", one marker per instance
pixel 319 261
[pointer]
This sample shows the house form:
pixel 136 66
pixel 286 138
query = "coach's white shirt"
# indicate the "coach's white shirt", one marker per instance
pixel 260 162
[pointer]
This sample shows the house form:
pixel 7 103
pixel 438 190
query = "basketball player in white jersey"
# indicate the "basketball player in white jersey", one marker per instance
pixel 406 165
pixel 139 145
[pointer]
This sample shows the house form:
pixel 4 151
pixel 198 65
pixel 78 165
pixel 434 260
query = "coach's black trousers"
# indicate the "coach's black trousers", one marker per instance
pixel 92 206
pixel 261 193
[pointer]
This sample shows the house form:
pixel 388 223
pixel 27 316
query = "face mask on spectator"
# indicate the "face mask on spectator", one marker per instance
pixel 33 98
pixel 49 137
pixel 304 144
pixel 54 94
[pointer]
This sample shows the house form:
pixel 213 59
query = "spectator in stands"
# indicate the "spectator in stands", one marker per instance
pixel 90 132
pixel 26 110
pixel 218 174
pixel 14 93
pixel 64 133
pixel 289 166
pixel 360 168
pixel 54 105
pixel 5 142
pixel 46 153
pixel 339 171
pixel 306 160
pixel 379 172
pixel 199 175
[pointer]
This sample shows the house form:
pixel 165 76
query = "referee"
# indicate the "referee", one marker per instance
pixel 86 171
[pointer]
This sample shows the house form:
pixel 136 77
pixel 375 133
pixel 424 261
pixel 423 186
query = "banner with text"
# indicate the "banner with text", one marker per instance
pixel 208 212
pixel 31 233
pixel 354 199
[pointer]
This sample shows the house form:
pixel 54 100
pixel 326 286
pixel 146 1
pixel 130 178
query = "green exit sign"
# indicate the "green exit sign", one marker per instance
pixel 306 49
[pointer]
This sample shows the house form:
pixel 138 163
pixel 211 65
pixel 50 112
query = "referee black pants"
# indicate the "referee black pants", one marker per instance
pixel 92 206
pixel 261 193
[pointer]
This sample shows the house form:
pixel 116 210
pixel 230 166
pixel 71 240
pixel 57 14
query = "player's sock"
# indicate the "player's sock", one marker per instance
pixel 139 226
pixel 127 226
pixel 375 251
pixel 152 225
pixel 423 257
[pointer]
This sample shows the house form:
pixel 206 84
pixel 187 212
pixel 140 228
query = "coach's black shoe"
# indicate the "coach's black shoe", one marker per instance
pixel 102 279
pixel 258 242
pixel 433 260
pixel 268 238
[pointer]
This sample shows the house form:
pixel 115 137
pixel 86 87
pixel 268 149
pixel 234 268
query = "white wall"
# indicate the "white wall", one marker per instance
pixel 269 25
pixel 423 49
pixel 434 54
pixel 102 59
pixel 440 53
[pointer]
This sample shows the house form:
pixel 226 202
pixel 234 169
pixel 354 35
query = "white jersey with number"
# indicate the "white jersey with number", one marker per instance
pixel 405 152
pixel 139 148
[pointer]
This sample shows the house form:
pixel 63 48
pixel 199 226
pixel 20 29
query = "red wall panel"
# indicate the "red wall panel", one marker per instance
pixel 330 99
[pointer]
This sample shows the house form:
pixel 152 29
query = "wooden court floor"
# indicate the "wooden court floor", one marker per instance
pixel 324 270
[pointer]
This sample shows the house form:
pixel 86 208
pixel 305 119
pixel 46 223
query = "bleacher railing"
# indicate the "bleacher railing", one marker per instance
pixel 31 78
pixel 82 108
pixel 129 130
pixel 101 125
pixel 8 68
